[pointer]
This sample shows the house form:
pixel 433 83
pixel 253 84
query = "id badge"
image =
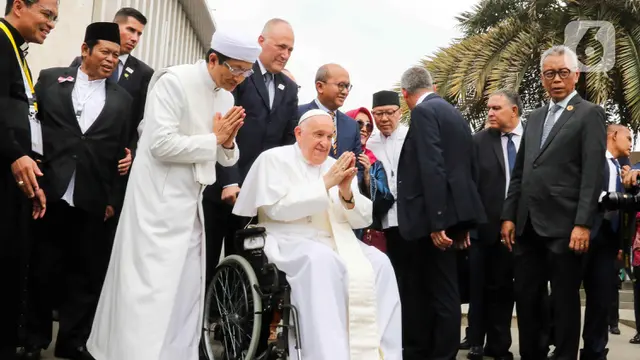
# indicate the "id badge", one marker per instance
pixel 36 130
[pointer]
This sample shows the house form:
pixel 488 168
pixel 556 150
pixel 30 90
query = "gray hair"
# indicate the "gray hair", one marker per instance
pixel 568 53
pixel 416 78
pixel 512 97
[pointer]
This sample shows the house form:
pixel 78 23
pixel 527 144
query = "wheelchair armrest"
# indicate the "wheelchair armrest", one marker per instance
pixel 244 236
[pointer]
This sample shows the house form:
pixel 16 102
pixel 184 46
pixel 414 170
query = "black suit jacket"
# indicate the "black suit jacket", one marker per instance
pixel 491 181
pixel 93 155
pixel 136 82
pixel 264 127
pixel 436 175
pixel 557 186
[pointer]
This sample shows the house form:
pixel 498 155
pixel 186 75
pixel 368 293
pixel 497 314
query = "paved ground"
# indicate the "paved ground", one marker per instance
pixel 619 346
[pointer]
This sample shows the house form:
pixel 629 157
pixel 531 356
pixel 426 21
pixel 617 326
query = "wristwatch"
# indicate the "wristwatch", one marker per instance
pixel 350 201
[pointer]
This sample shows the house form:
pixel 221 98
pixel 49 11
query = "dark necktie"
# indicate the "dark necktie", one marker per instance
pixel 615 220
pixel 115 74
pixel 511 151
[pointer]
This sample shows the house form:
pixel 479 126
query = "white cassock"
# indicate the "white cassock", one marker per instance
pixel 152 301
pixel 346 291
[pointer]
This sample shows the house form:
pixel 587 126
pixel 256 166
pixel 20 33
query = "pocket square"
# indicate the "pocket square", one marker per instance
pixel 62 79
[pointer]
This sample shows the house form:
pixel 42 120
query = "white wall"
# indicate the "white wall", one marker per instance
pixel 168 39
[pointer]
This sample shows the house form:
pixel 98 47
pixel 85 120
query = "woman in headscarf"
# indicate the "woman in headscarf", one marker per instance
pixel 375 181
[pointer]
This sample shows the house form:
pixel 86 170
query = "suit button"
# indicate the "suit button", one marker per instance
pixel 73 156
pixel 83 137
pixel 439 212
pixel 535 166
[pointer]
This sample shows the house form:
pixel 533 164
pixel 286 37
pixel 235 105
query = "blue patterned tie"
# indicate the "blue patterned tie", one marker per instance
pixel 511 151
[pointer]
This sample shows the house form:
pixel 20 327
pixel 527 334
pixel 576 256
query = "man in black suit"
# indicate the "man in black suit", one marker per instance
pixel 438 203
pixel 333 87
pixel 552 204
pixel 85 119
pixel 491 263
pixel 23 23
pixel 600 261
pixel 270 101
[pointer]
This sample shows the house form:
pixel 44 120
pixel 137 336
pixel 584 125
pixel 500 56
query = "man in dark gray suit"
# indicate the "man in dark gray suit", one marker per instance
pixel 552 203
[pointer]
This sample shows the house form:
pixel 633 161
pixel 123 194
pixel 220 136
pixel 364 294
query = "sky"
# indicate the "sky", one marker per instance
pixel 374 40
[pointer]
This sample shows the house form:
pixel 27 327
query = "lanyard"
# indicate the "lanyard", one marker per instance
pixel 25 71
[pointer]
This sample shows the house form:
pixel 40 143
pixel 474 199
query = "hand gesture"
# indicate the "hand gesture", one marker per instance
pixel 230 194
pixel 125 163
pixel 109 212
pixel 225 127
pixel 338 171
pixel 25 171
pixel 579 239
pixel 39 204
pixel 630 179
pixel 345 184
pixel 364 160
pixel 441 240
pixel 508 234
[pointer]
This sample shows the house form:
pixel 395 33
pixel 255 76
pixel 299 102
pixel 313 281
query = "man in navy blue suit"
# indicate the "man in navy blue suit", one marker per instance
pixel 270 101
pixel 333 87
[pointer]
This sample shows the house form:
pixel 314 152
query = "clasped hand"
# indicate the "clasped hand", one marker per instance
pixel 341 174
pixel 226 128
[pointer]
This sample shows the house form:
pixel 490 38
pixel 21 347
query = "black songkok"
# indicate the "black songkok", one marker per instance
pixel 106 31
pixel 385 97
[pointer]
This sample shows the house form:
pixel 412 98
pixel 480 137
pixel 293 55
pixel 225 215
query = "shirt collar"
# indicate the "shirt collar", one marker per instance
pixel 518 130
pixel 263 70
pixel 609 155
pixel 82 77
pixel 564 102
pixel 424 96
pixel 123 58
pixel 322 107
pixel 208 80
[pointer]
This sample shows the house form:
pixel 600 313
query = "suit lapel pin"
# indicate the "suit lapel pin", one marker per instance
pixel 281 86
pixel 570 107
pixel 126 75
pixel 62 79
pixel 129 70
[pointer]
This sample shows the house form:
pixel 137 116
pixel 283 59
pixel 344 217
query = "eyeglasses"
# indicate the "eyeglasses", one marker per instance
pixel 50 15
pixel 389 113
pixel 238 72
pixel 368 125
pixel 551 74
pixel 341 86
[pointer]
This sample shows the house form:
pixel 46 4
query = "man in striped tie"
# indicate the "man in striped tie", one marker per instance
pixel 552 205
pixel 605 245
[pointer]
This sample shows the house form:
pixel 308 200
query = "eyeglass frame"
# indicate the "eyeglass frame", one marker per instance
pixel 553 73
pixel 238 72
pixel 381 114
pixel 51 17
pixel 341 86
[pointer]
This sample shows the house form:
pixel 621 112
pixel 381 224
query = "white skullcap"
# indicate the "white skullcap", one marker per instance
pixel 238 46
pixel 311 113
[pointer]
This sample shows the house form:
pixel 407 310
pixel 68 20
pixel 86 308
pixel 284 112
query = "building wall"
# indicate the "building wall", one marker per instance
pixel 176 31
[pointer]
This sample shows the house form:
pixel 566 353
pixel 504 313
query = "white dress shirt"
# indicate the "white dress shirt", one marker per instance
pixel 88 99
pixel 122 59
pixel 517 136
pixel 563 104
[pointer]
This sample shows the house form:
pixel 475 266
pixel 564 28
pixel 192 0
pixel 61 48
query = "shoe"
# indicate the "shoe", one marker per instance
pixel 475 353
pixel 615 330
pixel 464 345
pixel 79 353
pixel 635 339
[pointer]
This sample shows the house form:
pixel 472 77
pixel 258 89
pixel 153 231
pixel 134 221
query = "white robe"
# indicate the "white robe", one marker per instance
pixel 346 291
pixel 152 300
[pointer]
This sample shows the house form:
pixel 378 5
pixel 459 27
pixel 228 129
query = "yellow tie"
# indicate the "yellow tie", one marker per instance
pixel 334 146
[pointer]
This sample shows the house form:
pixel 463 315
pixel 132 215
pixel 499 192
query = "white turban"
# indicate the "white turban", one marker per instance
pixel 311 113
pixel 236 46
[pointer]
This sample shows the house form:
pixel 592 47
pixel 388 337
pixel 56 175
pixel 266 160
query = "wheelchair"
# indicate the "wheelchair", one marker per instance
pixel 248 313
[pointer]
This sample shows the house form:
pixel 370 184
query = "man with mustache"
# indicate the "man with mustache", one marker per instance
pixel 85 121
pixel 20 147
pixel 270 100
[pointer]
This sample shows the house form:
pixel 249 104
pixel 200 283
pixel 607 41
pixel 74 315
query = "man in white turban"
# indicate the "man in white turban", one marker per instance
pixel 346 291
pixel 151 305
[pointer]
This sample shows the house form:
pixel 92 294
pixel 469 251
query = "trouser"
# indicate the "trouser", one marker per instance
pixel 532 254
pixel 636 296
pixel 428 285
pixel 492 297
pixel 70 246
pixel 599 265
pixel 15 243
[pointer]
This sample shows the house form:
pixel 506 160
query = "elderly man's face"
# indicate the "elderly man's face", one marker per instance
pixel 386 118
pixel 559 76
pixel 314 138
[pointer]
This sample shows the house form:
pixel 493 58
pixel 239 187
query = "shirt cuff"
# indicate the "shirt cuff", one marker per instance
pixel 602 194
pixel 226 186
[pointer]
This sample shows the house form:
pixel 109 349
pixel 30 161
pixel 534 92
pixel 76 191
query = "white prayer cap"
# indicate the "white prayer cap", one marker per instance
pixel 311 113
pixel 236 45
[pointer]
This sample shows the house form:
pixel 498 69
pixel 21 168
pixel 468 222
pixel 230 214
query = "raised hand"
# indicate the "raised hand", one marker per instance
pixel 225 127
pixel 350 172
pixel 338 171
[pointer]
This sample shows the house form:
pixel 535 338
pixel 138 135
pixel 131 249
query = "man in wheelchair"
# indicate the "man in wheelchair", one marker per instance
pixel 309 204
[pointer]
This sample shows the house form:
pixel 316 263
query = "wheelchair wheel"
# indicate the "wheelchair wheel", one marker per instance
pixel 232 312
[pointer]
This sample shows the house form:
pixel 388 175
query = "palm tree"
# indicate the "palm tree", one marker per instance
pixel 501 47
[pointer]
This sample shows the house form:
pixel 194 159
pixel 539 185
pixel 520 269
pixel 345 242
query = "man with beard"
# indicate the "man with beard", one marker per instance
pixel 20 146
